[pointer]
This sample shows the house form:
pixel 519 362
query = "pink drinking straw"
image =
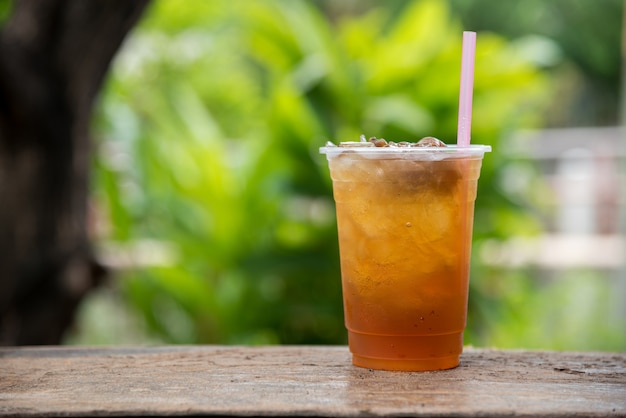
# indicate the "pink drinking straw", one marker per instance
pixel 466 91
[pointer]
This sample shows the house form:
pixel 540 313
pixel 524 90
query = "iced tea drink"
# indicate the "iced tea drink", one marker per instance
pixel 404 218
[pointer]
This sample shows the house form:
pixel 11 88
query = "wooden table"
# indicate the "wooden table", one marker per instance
pixel 303 381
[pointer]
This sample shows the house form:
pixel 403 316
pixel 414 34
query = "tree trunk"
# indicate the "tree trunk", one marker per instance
pixel 54 55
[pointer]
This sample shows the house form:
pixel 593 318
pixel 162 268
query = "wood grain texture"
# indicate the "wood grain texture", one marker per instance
pixel 303 381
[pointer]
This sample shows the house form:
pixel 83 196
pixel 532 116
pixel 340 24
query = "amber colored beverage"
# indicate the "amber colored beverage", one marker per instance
pixel 405 229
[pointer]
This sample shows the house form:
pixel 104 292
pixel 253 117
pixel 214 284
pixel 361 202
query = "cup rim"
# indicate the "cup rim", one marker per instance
pixel 473 149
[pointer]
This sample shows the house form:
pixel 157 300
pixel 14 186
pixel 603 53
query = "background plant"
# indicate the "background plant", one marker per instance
pixel 209 189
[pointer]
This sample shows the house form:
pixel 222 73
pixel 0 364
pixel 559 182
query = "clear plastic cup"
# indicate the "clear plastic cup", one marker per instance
pixel 405 217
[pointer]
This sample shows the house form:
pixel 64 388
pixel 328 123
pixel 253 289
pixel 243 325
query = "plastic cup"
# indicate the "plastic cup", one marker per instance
pixel 405 218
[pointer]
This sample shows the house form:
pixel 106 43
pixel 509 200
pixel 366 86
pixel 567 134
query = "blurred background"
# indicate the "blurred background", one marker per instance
pixel 213 208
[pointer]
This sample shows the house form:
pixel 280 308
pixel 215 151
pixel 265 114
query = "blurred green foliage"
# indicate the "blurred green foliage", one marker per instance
pixel 588 38
pixel 5 10
pixel 209 130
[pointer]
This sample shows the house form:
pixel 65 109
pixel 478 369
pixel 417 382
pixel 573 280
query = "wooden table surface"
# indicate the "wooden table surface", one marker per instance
pixel 302 381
